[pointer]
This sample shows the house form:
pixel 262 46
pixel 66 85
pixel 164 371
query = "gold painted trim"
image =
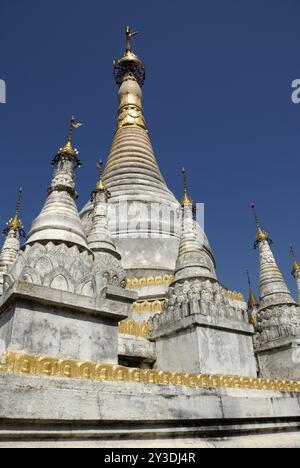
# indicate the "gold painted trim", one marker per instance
pixel 147 307
pixel 17 363
pixel 133 328
pixel 235 296
pixel 136 283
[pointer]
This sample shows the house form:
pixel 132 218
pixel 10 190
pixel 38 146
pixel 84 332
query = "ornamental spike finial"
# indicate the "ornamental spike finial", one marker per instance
pixel 261 235
pixel 129 64
pixel 73 125
pixel 252 302
pixel 248 278
pixel 252 299
pixel 19 200
pixel 296 266
pixel 186 199
pixel 129 34
pixel 68 149
pixel 15 224
pixel 100 186
pixel 255 216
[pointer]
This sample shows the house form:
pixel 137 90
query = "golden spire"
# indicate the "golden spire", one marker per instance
pixel 68 148
pixel 101 186
pixel 15 224
pixel 252 302
pixel 296 266
pixel 261 235
pixel 186 199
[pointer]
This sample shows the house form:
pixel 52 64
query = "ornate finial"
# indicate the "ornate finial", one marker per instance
pixel 252 299
pixel 261 235
pixel 129 63
pixel 296 266
pixel 186 199
pixel 252 303
pixel 100 186
pixel 68 148
pixel 15 224
pixel 129 35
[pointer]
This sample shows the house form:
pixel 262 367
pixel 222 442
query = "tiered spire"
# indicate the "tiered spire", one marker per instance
pixel 192 261
pixel 107 268
pixel 296 270
pixel 99 239
pixel 13 232
pixel 132 170
pixel 59 219
pixel 273 289
pixel 144 213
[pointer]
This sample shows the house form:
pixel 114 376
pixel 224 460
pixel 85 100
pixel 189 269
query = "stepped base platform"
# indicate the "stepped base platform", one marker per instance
pixel 69 412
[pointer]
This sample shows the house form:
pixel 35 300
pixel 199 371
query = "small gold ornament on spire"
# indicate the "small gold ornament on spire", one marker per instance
pixel 129 34
pixel 252 303
pixel 252 299
pixel 68 148
pixel 15 224
pixel 261 235
pixel 101 186
pixel 186 199
pixel 296 266
pixel 129 64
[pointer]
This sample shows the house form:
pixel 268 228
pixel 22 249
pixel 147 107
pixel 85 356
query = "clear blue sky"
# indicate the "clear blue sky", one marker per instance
pixel 217 99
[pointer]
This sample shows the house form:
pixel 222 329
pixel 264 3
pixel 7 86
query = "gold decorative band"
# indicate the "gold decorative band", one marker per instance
pixel 136 283
pixel 133 328
pixel 147 307
pixel 15 363
pixel 235 296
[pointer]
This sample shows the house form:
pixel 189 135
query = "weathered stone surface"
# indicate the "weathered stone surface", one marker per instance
pixel 139 350
pixel 280 359
pixel 47 322
pixel 199 348
pixel 128 408
pixel 201 331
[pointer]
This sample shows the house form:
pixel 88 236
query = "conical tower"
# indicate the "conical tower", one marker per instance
pixel 13 232
pixel 273 289
pixel 56 253
pixel 296 271
pixel 278 320
pixel 192 261
pixel 99 238
pixel 107 269
pixel 59 219
pixel 144 216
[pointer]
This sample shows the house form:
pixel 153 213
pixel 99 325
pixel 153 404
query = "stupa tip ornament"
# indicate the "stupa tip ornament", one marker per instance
pixel 186 199
pixel 15 224
pixel 261 235
pixel 101 186
pixel 129 63
pixel 252 302
pixel 68 149
pixel 296 265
